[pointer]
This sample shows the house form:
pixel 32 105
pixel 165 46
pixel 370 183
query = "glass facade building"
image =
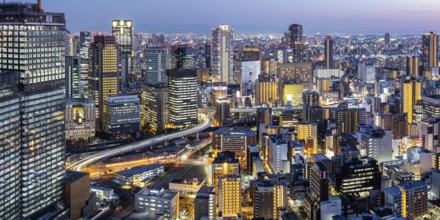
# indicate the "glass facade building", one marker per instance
pixel 32 168
pixel 183 96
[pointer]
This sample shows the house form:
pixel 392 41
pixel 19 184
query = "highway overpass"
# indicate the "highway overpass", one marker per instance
pixel 205 122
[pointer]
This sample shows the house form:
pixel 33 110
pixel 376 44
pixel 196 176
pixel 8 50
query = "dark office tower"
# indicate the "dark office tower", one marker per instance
pixel 222 111
pixel 358 176
pixel 310 99
pixel 73 78
pixel 222 52
pixel 429 51
pixel 184 57
pixel 387 39
pixel 297 43
pixel 208 55
pixel 329 64
pixel 85 39
pixel 32 169
pixel 412 66
pixel 318 191
pixel 123 32
pixel 265 199
pixel 183 96
pixel 10 128
pixel 103 71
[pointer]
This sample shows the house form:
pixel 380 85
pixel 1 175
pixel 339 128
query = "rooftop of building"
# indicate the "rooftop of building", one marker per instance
pixel 225 157
pixel 138 170
pixel 234 131
pixel 206 190
pixel 72 176
pixel 122 99
pixel 412 184
pixel 193 181
pixel 394 191
pixel 276 139
pixel 320 157
pixel 159 193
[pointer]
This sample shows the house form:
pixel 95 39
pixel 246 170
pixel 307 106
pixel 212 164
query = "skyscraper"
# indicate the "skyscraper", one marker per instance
pixel 73 77
pixel 412 66
pixel 123 32
pixel 157 62
pixel 103 71
pixel 32 167
pixel 410 93
pixel 297 43
pixel 222 52
pixel 183 96
pixel 414 199
pixel 387 39
pixel 329 64
pixel 85 40
pixel 429 51
pixel 154 108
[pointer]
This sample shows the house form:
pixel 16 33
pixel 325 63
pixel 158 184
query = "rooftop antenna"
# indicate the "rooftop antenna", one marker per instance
pixel 39 8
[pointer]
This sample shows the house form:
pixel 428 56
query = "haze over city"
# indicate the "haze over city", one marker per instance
pixel 256 16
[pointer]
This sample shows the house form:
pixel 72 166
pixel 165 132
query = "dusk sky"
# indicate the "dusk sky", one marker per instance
pixel 252 15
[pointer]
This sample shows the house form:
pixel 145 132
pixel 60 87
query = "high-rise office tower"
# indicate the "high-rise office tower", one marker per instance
pixel 329 64
pixel 121 117
pixel 431 106
pixel 157 62
pixel 31 164
pixel 377 142
pixel 277 153
pixel 222 52
pixel 350 118
pixel 410 93
pixel 229 195
pixel 204 203
pixel 412 66
pixel 73 77
pixel 299 52
pixel 184 57
pixel 183 96
pixel 123 32
pixel 222 111
pixel 429 51
pixel 387 39
pixel 310 99
pixel 154 108
pixel 85 40
pixel 414 199
pixel 103 72
pixel 429 130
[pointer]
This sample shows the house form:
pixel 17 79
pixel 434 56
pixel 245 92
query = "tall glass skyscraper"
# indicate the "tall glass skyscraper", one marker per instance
pixel 85 40
pixel 222 52
pixel 31 167
pixel 103 71
pixel 123 32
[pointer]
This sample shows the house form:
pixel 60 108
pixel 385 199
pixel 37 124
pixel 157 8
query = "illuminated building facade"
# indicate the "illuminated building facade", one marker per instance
pixel 222 52
pixel 122 30
pixel 411 92
pixel 157 61
pixel 292 93
pixel 224 164
pixel 204 203
pixel 103 72
pixel 80 119
pixel 413 66
pixel 121 116
pixel 297 43
pixel 183 97
pixel 235 139
pixel 32 167
pixel 154 108
pixel 85 40
pixel 308 132
pixel 266 90
pixel 229 195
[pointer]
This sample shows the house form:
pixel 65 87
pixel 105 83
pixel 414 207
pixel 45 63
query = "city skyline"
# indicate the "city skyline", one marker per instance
pixel 272 17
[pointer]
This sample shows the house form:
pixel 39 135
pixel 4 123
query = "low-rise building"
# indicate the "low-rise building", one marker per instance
pixel 121 116
pixel 80 119
pixel 138 175
pixel 159 202
pixel 103 193
pixel 186 186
